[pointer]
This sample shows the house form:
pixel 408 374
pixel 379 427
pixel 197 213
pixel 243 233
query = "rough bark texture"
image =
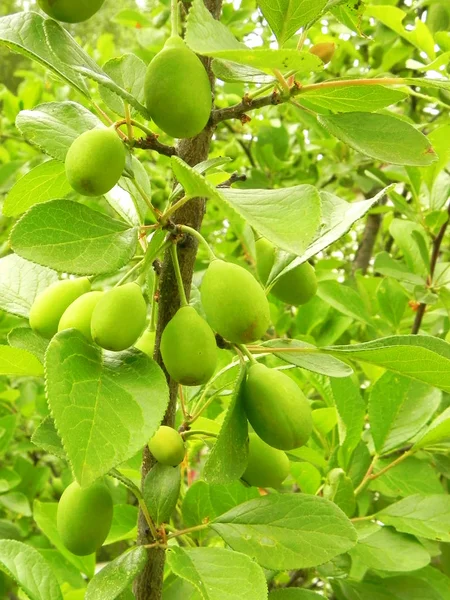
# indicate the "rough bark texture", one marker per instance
pixel 148 586
pixel 367 244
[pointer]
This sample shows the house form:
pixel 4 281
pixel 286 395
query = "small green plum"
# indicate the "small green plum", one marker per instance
pixel 167 446
pixel 79 314
pixel 70 11
pixel 267 466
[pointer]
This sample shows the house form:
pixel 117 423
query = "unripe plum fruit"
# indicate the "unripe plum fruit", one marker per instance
pixel 295 287
pixel 51 304
pixel 119 317
pixel 234 302
pixel 79 314
pixel 167 446
pixel 267 466
pixel 84 517
pixel 276 408
pixel 95 162
pixel 188 348
pixel 70 11
pixel 146 343
pixel 178 91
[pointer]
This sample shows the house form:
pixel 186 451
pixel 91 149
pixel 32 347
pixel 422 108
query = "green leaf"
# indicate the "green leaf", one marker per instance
pixel 21 282
pixel 26 339
pixel 351 411
pixel 206 36
pixel 412 476
pixel 398 409
pixel 385 264
pixel 24 33
pixel 338 488
pixel 117 575
pixel 402 354
pixel 204 501
pixel 71 237
pixel 344 299
pixel 106 406
pixel 47 438
pixel 287 531
pixel 30 570
pixel 343 99
pixel 381 137
pixel 438 431
pixel 234 72
pixel 8 426
pixel 293 594
pixel 161 491
pixel 193 182
pixel 392 300
pixel 128 71
pixel 286 17
pixel 313 361
pixel 423 516
pixel 124 524
pixel 354 590
pixel 44 513
pixel 288 217
pixel 393 17
pixel 411 239
pixel 213 570
pixel 409 587
pixel 8 479
pixel 228 458
pixel 16 502
pixel 14 361
pixel 45 182
pixel 387 550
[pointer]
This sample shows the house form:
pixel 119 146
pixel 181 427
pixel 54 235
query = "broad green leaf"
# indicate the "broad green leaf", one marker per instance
pixel 423 516
pixel 409 587
pixel 338 488
pixel 44 513
pixel 351 410
pixel 312 361
pixel 343 99
pixel 66 574
pixel 193 182
pixel 124 524
pixel 20 282
pixel 385 264
pixel 9 531
pixel 392 301
pixel 213 570
pixel 176 588
pixel 344 299
pixel 285 17
pixel 307 477
pixel 16 502
pixel 293 594
pixel 24 33
pixel 349 13
pixel 398 409
pixel 26 339
pixel 439 137
pixel 128 71
pixel 45 182
pixel 411 239
pixel 287 531
pixel 15 361
pixel 227 460
pixel 161 490
pixel 8 479
pixel 106 406
pixel 47 438
pixel 288 217
pixel 387 550
pixel 117 575
pixel 71 237
pixel 206 501
pixel 437 579
pixel 201 168
pixel 53 126
pixel 206 36
pixel 30 570
pixel 412 476
pixel 355 590
pixel 438 431
pixel 403 354
pixel 7 428
pixel 234 72
pixel 393 17
pixel 381 137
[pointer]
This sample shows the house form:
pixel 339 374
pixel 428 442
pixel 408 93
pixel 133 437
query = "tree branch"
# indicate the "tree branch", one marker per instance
pixel 151 143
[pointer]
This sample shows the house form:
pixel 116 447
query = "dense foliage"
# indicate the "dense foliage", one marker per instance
pixel 223 361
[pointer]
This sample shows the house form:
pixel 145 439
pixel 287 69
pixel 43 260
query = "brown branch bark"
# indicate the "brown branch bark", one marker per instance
pixel 151 143
pixel 149 584
pixel 434 258
pixel 367 244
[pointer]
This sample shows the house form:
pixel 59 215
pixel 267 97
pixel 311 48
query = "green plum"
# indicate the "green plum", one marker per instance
pixel 146 343
pixel 167 446
pixel 267 466
pixel 70 11
pixel 79 314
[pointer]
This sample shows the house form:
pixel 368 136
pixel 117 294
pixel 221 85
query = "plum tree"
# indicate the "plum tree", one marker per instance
pixel 95 162
pixel 84 517
pixel 234 302
pixel 267 466
pixel 295 287
pixel 276 408
pixel 51 304
pixel 167 446
pixel 70 11
pixel 176 73
pixel 79 314
pixel 119 317
pixel 188 348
